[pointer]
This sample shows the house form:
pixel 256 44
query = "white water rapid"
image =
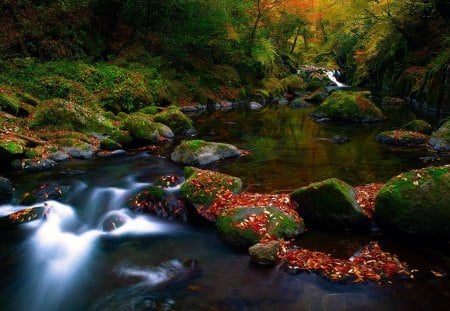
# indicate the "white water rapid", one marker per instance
pixel 331 74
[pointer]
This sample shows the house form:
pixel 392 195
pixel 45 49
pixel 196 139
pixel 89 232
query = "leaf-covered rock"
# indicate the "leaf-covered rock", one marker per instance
pixel 200 152
pixel 416 202
pixel 348 106
pixel 330 204
pixel 47 191
pixel 402 138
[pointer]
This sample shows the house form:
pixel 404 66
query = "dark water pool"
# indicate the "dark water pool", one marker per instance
pixel 66 264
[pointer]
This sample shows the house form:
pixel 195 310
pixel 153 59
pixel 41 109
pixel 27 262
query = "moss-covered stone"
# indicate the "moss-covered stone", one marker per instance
pixel 164 131
pixel 175 119
pixel 416 202
pixel 294 84
pixel 393 101
pixel 202 186
pixel 402 138
pixel 142 129
pixel 47 191
pixel 63 114
pixel 200 152
pixel 348 106
pixel 11 147
pixel 12 102
pixel 240 227
pixel 109 144
pixel 419 126
pixel 330 204
pixel 122 137
pixel 76 148
pixel 440 139
pixel 31 153
pixel 152 110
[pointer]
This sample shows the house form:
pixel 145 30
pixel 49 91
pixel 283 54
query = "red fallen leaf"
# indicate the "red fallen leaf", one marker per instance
pixel 366 195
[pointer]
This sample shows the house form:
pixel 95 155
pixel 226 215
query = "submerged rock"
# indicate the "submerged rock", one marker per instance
pixel 330 204
pixel 337 139
pixel 300 103
pixel 47 191
pixel 440 139
pixel 265 253
pixel 6 190
pixel 416 202
pixel 31 165
pixel 113 222
pixel 402 138
pixel 200 152
pixel 348 106
pixel 419 126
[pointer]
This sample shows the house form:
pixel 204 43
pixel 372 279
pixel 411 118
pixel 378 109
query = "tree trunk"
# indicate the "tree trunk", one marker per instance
pixel 295 41
pixel 253 32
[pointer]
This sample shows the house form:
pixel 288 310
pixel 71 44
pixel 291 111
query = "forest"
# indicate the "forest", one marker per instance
pixel 224 154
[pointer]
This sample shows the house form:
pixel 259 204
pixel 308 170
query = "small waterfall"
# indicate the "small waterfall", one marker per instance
pixel 331 74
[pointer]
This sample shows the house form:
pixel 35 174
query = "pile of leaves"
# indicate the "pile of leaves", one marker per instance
pixel 366 195
pixel 167 181
pixel 370 264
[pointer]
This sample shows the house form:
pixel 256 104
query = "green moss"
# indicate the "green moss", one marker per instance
pixel 122 137
pixel 416 202
pixel 149 110
pixel 109 144
pixel 11 148
pixel 348 106
pixel 9 104
pixel 294 83
pixel 402 138
pixel 175 119
pixel 419 126
pixel 31 153
pixel 141 128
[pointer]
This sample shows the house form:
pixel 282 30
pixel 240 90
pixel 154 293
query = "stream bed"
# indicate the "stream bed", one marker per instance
pixel 67 262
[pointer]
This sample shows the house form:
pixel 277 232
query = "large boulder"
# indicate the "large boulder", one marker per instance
pixel 246 226
pixel 6 190
pixel 202 187
pixel 419 126
pixel 402 138
pixel 175 119
pixel 416 202
pixel 76 148
pixel 440 139
pixel 141 128
pixel 200 152
pixel 63 114
pixel 330 204
pixel 348 106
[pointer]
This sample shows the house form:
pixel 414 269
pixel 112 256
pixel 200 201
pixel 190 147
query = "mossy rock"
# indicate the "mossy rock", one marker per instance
pixel 62 114
pixel 273 86
pixel 152 110
pixel 317 97
pixel 330 204
pixel 142 129
pixel 402 138
pixel 417 203
pixel 348 106
pixel 440 139
pixel 74 147
pixel 294 84
pixel 31 153
pixel 47 191
pixel 300 103
pixel 240 227
pixel 200 152
pixel 393 101
pixel 164 130
pixel 202 186
pixel 122 137
pixel 10 148
pixel 175 119
pixel 12 102
pixel 109 144
pixel 419 126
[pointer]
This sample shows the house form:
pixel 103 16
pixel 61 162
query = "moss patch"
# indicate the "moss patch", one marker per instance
pixel 142 129
pixel 175 119
pixel 402 138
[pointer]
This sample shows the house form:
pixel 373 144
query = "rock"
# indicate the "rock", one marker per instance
pixel 142 129
pixel 417 203
pixel 168 181
pixel 174 119
pixel 122 137
pixel 317 96
pixel 255 105
pixel 109 144
pixel 10 148
pixel 265 253
pixel 47 191
pixel 155 200
pixel 294 84
pixel 113 222
pixel 200 152
pixel 300 103
pixel 419 126
pixel 244 226
pixel 402 138
pixel 440 139
pixel 202 186
pixel 337 139
pixel 30 165
pixel 25 215
pixel 164 131
pixel 393 101
pixel 63 114
pixel 6 190
pixel 76 148
pixel 189 132
pixel 59 156
pixel 348 106
pixel 330 204
pixel 111 154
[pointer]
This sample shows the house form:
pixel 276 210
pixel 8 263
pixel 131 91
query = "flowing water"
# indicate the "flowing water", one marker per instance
pixel 70 262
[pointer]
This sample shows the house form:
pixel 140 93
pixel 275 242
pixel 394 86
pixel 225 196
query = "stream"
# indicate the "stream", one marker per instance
pixel 69 262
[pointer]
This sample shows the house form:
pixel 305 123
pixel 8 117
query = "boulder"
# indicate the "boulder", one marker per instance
pixel 440 139
pixel 200 152
pixel 203 186
pixel 10 147
pixel 255 105
pixel 416 202
pixel 300 103
pixel 330 204
pixel 348 106
pixel 141 128
pixel 393 101
pixel 47 191
pixel 75 148
pixel 419 126
pixel 402 138
pixel 174 119
pixel 265 253
pixel 31 165
pixel 109 144
pixel 24 215
pixel 164 131
pixel 6 190
pixel 246 226
pixel 113 221
pixel 58 156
